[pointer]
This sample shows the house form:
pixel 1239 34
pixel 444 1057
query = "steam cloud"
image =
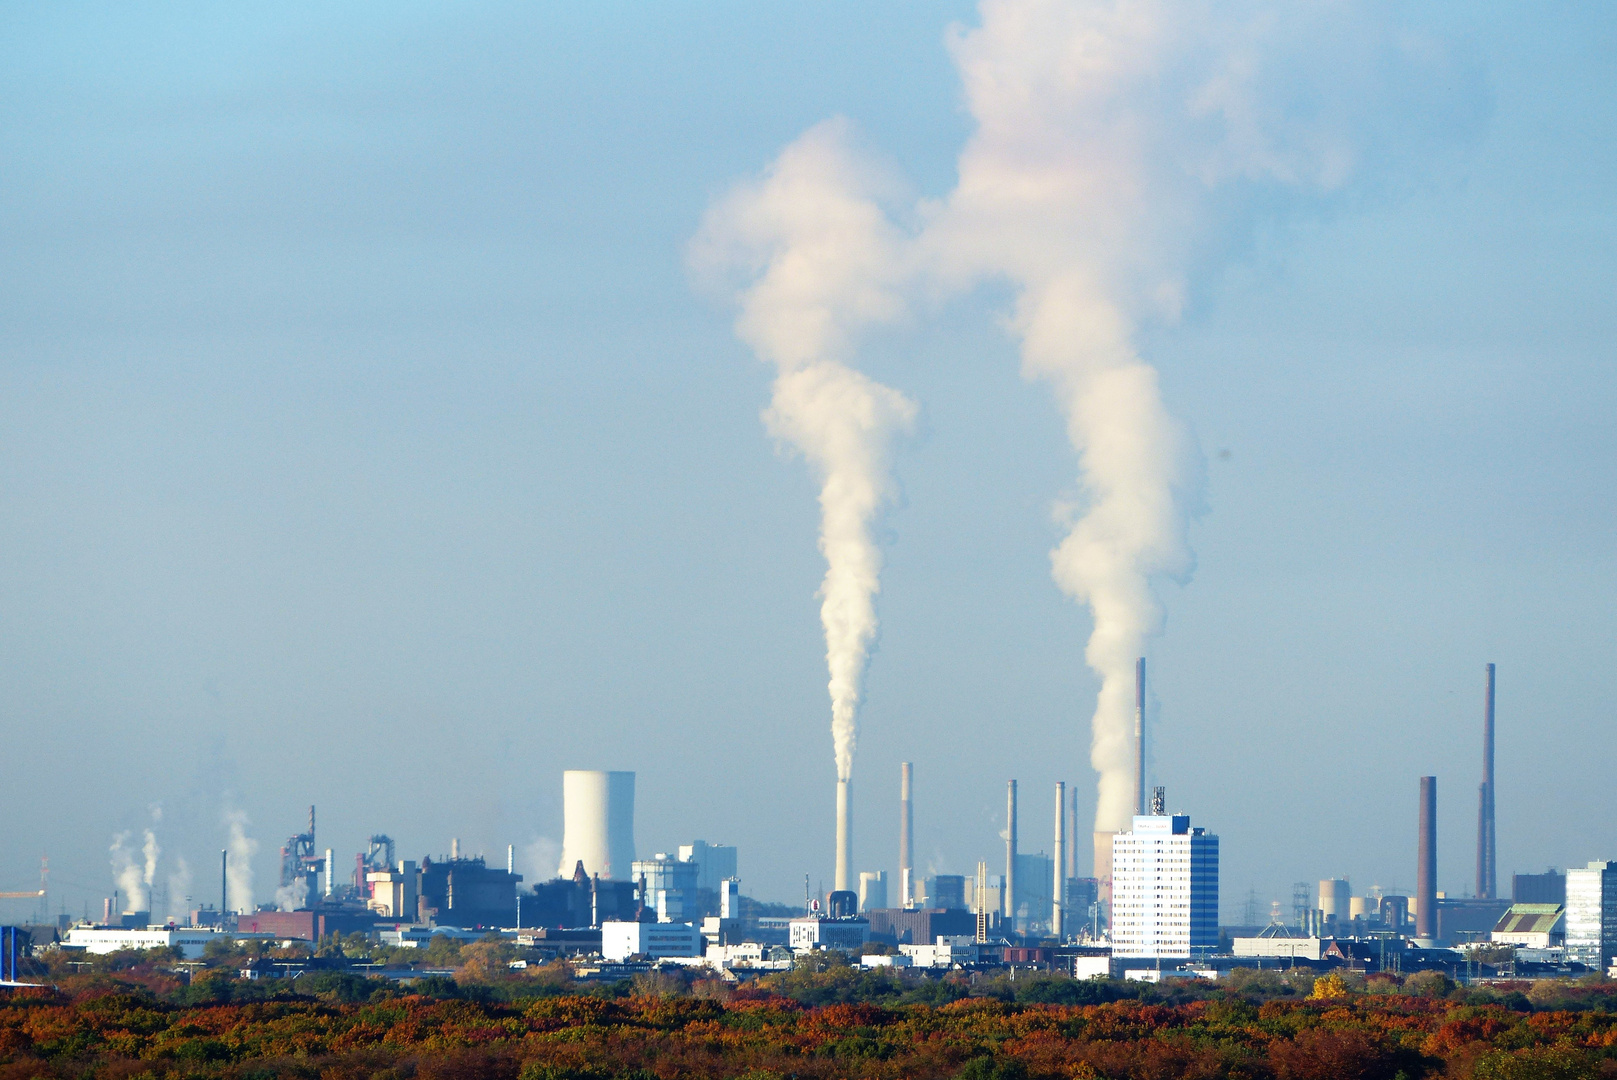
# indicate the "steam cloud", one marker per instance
pixel 126 872
pixel 820 261
pixel 179 888
pixel 239 867
pixel 134 871
pixel 1120 150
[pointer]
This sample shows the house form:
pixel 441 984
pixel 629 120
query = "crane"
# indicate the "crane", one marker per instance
pixel 44 873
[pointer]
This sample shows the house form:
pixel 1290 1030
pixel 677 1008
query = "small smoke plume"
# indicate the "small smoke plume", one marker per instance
pixel 149 853
pixel 819 261
pixel 541 859
pixel 239 868
pixel 127 873
pixel 179 888
pixel 292 897
pixel 1119 149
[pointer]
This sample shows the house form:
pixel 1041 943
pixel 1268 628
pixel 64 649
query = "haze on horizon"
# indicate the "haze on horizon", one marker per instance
pixel 363 442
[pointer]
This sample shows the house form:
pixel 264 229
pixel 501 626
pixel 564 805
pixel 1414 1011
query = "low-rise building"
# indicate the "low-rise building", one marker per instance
pixel 1532 926
pixel 814 932
pixel 654 941
pixel 943 954
pixel 100 940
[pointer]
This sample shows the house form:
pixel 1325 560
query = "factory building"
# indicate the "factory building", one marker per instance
pixel 1546 888
pixel 1035 892
pixel 814 932
pixel 468 893
pixel 919 926
pixel 714 863
pixel 669 886
pixel 580 901
pixel 1591 914
pixel 872 889
pixel 394 894
pixel 1164 887
pixel 947 891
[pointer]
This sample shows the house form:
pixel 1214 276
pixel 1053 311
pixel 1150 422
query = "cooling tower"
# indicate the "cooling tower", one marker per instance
pixel 844 874
pixel 1336 898
pixel 597 823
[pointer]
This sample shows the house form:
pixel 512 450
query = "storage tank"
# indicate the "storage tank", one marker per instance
pixel 597 823
pixel 1363 907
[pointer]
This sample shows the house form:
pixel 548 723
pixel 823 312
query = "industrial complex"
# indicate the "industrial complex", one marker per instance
pixel 1149 910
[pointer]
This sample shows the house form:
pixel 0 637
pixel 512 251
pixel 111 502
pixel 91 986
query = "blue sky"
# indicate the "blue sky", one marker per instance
pixel 364 442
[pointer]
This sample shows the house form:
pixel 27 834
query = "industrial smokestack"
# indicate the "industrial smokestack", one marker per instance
pixel 1072 834
pixel 1139 736
pixel 906 835
pixel 844 836
pixel 1010 855
pixel 1426 871
pixel 1058 901
pixel 1487 878
pixel 224 881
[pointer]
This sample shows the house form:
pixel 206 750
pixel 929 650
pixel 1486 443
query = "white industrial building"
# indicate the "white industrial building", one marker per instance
pixel 1164 888
pixel 1591 914
pixel 946 953
pixel 597 823
pixel 100 940
pixel 621 940
pixel 812 932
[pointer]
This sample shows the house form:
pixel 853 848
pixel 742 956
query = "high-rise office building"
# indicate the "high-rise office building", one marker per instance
pixel 1591 914
pixel 1164 888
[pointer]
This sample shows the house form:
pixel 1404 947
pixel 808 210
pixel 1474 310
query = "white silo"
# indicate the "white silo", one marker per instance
pixel 597 823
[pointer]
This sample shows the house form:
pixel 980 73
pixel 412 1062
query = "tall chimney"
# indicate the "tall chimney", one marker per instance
pixel 844 873
pixel 1058 899
pixel 224 881
pixel 1010 855
pixel 1426 871
pixel 906 841
pixel 1487 878
pixel 1139 736
pixel 1072 834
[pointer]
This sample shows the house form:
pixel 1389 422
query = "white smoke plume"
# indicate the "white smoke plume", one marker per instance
pixel 1119 148
pixel 126 872
pixel 239 867
pixel 292 897
pixel 150 853
pixel 541 857
pixel 179 888
pixel 819 261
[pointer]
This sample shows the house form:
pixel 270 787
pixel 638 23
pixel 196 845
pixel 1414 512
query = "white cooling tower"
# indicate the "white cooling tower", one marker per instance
pixel 597 823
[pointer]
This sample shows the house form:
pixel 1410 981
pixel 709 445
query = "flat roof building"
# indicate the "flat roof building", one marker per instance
pixel 1164 888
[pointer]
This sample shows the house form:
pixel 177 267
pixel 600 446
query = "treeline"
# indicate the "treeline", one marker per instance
pixel 491 1021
